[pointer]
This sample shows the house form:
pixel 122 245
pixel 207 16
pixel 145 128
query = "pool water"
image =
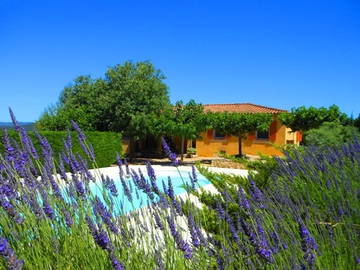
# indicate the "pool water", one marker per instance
pixel 139 198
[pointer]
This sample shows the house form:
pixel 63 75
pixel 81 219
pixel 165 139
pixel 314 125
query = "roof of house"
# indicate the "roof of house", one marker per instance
pixel 241 108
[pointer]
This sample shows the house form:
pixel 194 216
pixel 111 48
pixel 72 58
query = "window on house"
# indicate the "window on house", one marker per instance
pixel 262 135
pixel 218 135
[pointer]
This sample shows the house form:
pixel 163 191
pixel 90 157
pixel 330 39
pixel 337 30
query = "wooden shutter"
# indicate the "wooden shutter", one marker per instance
pixel 210 134
pixel 251 136
pixel 272 131
pixel 299 136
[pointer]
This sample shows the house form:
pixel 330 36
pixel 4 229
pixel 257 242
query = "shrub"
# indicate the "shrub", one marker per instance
pixel 191 151
pixel 105 144
pixel 330 134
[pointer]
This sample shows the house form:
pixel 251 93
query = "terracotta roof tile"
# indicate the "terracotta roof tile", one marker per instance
pixel 241 108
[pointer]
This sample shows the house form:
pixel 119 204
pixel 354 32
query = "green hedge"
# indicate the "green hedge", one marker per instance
pixel 105 144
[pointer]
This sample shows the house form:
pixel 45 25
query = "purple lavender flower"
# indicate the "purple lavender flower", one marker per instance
pixel 233 231
pixel 163 202
pixel 180 243
pixel 68 142
pixel 127 167
pixel 68 219
pixel 119 163
pixel 242 200
pixel 220 262
pixel 55 188
pixel 9 255
pixel 165 189
pixel 89 151
pixel 145 186
pixel 115 262
pixel 275 239
pixel 193 172
pixel 27 143
pixel 62 169
pixel 150 170
pixel 102 239
pixel 48 210
pixel 126 188
pixel 74 164
pixel 34 205
pixel 171 155
pixel 45 146
pixel 81 135
pixel 10 210
pixel 193 231
pixel 200 236
pixel 220 210
pixel 7 190
pixel 192 181
pixel 170 190
pixel 100 209
pixel 158 222
pixel 20 161
pixel 10 152
pixel 260 246
pixel 256 193
pixel 309 245
pixel 152 176
pixel 308 241
pixel 159 261
pixel 100 236
pixel 110 185
pixel 84 170
pixel 13 119
pixel 177 207
pixel 79 186
pixel 65 158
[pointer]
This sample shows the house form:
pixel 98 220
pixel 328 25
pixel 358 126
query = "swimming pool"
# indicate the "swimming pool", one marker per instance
pixel 140 198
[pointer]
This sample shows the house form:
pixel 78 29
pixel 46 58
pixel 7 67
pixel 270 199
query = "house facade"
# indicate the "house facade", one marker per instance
pixel 211 142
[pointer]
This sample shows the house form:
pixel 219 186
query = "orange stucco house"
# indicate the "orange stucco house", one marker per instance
pixel 211 142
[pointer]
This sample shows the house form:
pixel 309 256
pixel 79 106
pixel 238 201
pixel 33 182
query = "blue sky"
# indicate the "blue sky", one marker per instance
pixel 282 54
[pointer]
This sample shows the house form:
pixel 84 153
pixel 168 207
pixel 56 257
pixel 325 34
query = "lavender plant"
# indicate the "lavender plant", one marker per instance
pixel 50 217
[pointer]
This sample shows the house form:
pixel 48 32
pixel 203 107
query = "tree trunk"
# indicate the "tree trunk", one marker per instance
pixel 240 145
pixel 182 148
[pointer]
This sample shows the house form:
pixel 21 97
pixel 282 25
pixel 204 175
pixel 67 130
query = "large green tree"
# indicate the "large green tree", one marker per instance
pixel 240 124
pixel 187 121
pixel 304 119
pixel 125 100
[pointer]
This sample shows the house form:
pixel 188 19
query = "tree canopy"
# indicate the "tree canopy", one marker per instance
pixel 187 121
pixel 125 100
pixel 239 124
pixel 304 119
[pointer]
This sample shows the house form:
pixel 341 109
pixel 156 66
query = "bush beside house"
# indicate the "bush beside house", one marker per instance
pixel 105 143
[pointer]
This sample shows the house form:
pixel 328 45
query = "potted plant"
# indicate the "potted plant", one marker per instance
pixel 190 152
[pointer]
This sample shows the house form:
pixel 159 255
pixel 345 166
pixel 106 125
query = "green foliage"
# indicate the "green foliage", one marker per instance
pixel 310 185
pixel 330 134
pixel 125 100
pixel 357 122
pixel 239 123
pixel 187 119
pixel 105 144
pixel 191 151
pixel 304 119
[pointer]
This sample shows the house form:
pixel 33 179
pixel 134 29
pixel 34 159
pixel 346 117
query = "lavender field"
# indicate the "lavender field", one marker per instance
pixel 306 217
